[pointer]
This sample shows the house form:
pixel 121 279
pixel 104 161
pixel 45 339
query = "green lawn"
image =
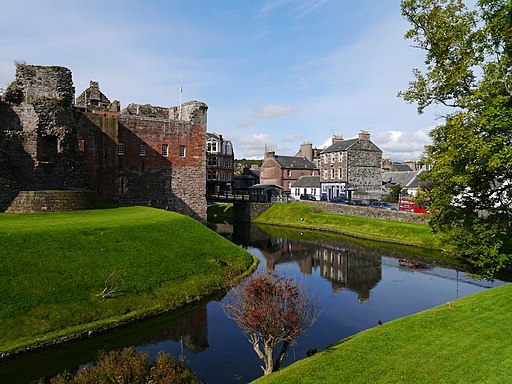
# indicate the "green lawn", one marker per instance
pixel 311 217
pixel 54 266
pixel 465 341
pixel 219 212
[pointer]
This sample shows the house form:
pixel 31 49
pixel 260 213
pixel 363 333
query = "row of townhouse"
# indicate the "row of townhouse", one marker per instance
pixel 352 168
pixel 344 169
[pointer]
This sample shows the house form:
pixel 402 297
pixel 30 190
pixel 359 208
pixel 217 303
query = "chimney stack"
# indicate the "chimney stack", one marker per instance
pixel 364 135
pixel 306 150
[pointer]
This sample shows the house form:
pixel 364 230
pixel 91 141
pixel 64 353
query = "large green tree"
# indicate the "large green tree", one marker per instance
pixel 468 62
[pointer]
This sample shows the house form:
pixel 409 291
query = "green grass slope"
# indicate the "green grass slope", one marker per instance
pixel 54 266
pixel 465 341
pixel 310 217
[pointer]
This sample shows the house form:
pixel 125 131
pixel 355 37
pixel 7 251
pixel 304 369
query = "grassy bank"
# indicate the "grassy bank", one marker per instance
pixel 54 268
pixel 404 251
pixel 310 217
pixel 465 341
pixel 217 212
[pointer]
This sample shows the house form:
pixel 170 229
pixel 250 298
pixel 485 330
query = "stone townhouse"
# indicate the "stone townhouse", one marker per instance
pixel 139 155
pixel 284 171
pixel 220 164
pixel 350 167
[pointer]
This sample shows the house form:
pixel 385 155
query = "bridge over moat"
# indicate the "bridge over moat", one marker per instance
pixel 246 206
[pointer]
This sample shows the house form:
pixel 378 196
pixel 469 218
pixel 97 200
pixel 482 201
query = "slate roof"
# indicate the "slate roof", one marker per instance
pixel 265 186
pixel 401 167
pixel 340 145
pixel 292 162
pixel 402 178
pixel 251 172
pixel 308 182
pixel 215 136
pixel 415 181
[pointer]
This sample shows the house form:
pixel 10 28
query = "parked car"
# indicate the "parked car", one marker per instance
pixel 307 196
pixel 383 205
pixel 360 203
pixel 339 200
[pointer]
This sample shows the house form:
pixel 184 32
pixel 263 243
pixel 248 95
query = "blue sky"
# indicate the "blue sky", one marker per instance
pixel 275 73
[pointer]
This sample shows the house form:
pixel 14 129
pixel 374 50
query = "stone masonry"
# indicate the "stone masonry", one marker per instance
pixel 141 155
pixel 38 134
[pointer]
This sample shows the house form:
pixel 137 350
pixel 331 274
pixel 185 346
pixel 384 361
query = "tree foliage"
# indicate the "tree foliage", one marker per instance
pixel 468 60
pixel 394 194
pixel 130 367
pixel 272 311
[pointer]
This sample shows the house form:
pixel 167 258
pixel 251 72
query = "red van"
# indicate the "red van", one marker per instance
pixel 408 204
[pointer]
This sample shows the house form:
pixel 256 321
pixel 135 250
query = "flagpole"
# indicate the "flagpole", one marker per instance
pixel 181 91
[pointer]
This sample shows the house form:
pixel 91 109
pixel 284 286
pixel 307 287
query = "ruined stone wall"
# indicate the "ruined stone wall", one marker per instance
pixel 48 144
pixel 363 163
pixel 97 144
pixel 37 133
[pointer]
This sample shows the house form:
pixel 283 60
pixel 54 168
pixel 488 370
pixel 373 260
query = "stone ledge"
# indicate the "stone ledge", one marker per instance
pixel 370 213
pixel 53 201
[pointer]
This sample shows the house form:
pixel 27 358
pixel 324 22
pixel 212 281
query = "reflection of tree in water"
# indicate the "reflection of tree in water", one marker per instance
pixel 191 329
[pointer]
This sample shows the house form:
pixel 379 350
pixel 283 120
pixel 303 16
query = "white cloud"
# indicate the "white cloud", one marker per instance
pixel 326 143
pixel 400 145
pixel 293 137
pixel 247 123
pixel 272 111
pixel 7 73
pixel 251 146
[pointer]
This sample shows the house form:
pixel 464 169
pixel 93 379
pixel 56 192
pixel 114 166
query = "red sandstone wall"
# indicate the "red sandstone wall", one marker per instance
pixel 176 182
pixel 97 145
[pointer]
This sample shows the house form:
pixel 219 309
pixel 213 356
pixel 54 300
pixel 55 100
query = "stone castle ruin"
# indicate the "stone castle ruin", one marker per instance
pixel 59 154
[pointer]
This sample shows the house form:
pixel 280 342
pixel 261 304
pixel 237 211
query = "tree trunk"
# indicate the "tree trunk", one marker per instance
pixel 269 359
pixel 281 355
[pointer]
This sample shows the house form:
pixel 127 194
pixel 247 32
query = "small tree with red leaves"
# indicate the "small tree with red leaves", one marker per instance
pixel 272 311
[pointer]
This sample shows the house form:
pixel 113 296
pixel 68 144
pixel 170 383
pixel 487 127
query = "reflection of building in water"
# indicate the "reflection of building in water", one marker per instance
pixel 334 266
pixel 345 264
pixel 191 329
pixel 352 266
pixel 359 272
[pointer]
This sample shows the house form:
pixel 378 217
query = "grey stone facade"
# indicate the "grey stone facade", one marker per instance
pixel 350 166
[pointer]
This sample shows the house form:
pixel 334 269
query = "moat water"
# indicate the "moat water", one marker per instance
pixel 355 283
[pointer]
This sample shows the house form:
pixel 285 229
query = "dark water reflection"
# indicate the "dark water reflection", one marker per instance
pixel 356 284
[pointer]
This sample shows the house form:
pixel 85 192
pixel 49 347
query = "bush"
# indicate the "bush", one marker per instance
pixel 129 367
